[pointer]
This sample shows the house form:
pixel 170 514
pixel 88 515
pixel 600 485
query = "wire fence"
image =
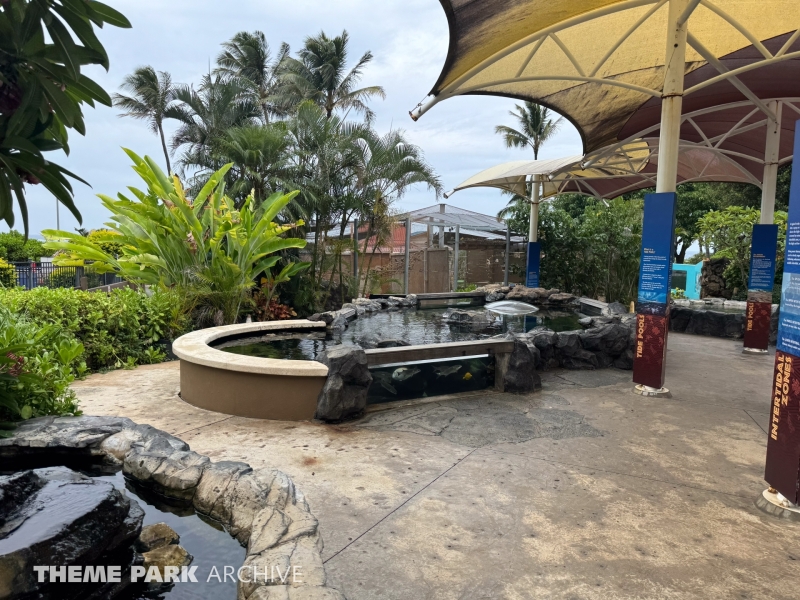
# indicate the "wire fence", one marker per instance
pixel 31 275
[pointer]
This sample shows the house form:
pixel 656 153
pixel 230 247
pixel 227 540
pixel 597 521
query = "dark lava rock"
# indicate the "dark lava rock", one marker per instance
pixel 571 354
pixel 615 308
pixel 707 322
pixel 344 394
pixel 376 340
pixel 475 320
pixel 57 516
pixel 520 374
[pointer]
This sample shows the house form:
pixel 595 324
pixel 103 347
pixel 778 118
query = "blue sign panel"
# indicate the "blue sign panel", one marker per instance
pixel 534 254
pixel 655 268
pixel 789 323
pixel 764 250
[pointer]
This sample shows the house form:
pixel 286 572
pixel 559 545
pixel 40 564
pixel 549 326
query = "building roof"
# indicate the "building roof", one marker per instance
pixel 453 215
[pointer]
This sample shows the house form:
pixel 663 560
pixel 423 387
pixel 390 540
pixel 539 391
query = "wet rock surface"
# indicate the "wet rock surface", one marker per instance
pixel 344 394
pixel 475 320
pixel 155 536
pixel 56 516
pixel 261 508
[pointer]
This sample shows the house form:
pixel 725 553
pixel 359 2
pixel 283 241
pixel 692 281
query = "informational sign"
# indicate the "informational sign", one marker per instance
pixel 783 441
pixel 534 254
pixel 655 275
pixel 763 252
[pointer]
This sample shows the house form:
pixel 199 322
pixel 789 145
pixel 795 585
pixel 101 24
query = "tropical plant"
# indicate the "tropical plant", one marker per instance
pixel 536 126
pixel 37 366
pixel 206 114
pixel 15 248
pixel 247 58
pixel 729 232
pixel 152 97
pixel 8 274
pixel 114 328
pixel 319 74
pixel 207 249
pixel 42 92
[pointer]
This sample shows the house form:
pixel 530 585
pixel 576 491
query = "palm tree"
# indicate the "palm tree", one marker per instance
pixel 536 127
pixel 206 114
pixel 247 57
pixel 152 96
pixel 319 75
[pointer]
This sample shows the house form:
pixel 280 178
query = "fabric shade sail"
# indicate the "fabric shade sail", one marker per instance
pixel 600 62
pixel 628 168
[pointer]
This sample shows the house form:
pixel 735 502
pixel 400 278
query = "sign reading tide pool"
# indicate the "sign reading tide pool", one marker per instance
pixel 534 256
pixel 655 275
pixel 783 442
pixel 763 252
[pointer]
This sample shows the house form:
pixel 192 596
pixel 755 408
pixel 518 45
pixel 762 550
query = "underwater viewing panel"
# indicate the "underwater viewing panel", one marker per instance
pixel 655 274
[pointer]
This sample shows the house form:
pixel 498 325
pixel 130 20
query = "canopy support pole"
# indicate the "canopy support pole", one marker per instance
pixel 650 368
pixel 672 95
pixel 532 272
pixel 508 253
pixel 408 252
pixel 455 259
pixel 763 242
pixel 771 156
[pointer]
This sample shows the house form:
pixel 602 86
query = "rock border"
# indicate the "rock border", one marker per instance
pixel 261 508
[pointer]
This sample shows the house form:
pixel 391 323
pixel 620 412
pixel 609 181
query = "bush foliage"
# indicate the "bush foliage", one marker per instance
pixel 119 329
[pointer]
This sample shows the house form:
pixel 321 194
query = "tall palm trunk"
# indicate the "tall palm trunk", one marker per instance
pixel 164 147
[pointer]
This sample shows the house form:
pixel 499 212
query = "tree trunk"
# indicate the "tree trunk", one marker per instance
pixel 164 147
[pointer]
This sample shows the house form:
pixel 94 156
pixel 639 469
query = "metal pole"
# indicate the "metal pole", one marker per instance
pixel 533 229
pixel 455 260
pixel 508 253
pixel 355 254
pixel 58 217
pixel 672 95
pixel 771 164
pixel 408 248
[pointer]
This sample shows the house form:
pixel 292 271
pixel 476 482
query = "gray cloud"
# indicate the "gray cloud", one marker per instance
pixel 408 38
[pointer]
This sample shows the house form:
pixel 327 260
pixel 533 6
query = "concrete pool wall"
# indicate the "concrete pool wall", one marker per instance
pixel 246 386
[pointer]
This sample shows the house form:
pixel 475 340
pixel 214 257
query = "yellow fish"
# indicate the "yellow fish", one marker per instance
pixel 467 377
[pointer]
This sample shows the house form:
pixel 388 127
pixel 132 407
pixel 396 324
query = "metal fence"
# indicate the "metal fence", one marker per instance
pixel 31 275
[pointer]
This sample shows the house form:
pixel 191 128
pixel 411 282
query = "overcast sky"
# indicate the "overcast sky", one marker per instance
pixel 407 37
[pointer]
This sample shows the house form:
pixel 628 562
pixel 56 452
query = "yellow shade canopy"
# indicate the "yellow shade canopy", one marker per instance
pixel 599 61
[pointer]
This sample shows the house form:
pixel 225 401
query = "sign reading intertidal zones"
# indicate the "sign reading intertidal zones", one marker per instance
pixel 763 251
pixel 655 276
pixel 783 442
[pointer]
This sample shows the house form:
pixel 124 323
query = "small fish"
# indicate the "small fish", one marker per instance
pixel 404 373
pixel 467 377
pixel 385 381
pixel 445 371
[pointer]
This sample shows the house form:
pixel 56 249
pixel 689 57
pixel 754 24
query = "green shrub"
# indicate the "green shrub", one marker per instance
pixel 37 365
pixel 116 329
pixel 8 274
pixel 15 248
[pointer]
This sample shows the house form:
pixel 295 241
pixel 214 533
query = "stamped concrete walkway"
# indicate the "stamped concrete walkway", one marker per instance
pixel 584 490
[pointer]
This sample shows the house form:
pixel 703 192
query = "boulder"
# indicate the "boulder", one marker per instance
pixel 476 320
pixel 517 371
pixel 529 295
pixel 615 308
pixel 559 299
pixel 344 394
pixel 155 536
pixel 167 556
pixel 173 473
pixel 376 340
pixel 570 352
pixel 57 516
pixel 611 339
pixel 339 323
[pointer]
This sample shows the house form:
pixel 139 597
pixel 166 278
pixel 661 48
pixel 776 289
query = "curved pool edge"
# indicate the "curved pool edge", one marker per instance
pixel 248 386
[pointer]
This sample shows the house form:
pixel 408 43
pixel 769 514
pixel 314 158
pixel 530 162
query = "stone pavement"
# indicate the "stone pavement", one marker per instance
pixel 584 490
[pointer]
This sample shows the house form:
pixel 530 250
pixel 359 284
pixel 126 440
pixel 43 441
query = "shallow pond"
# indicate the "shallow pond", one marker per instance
pixel 417 327
pixel 205 539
